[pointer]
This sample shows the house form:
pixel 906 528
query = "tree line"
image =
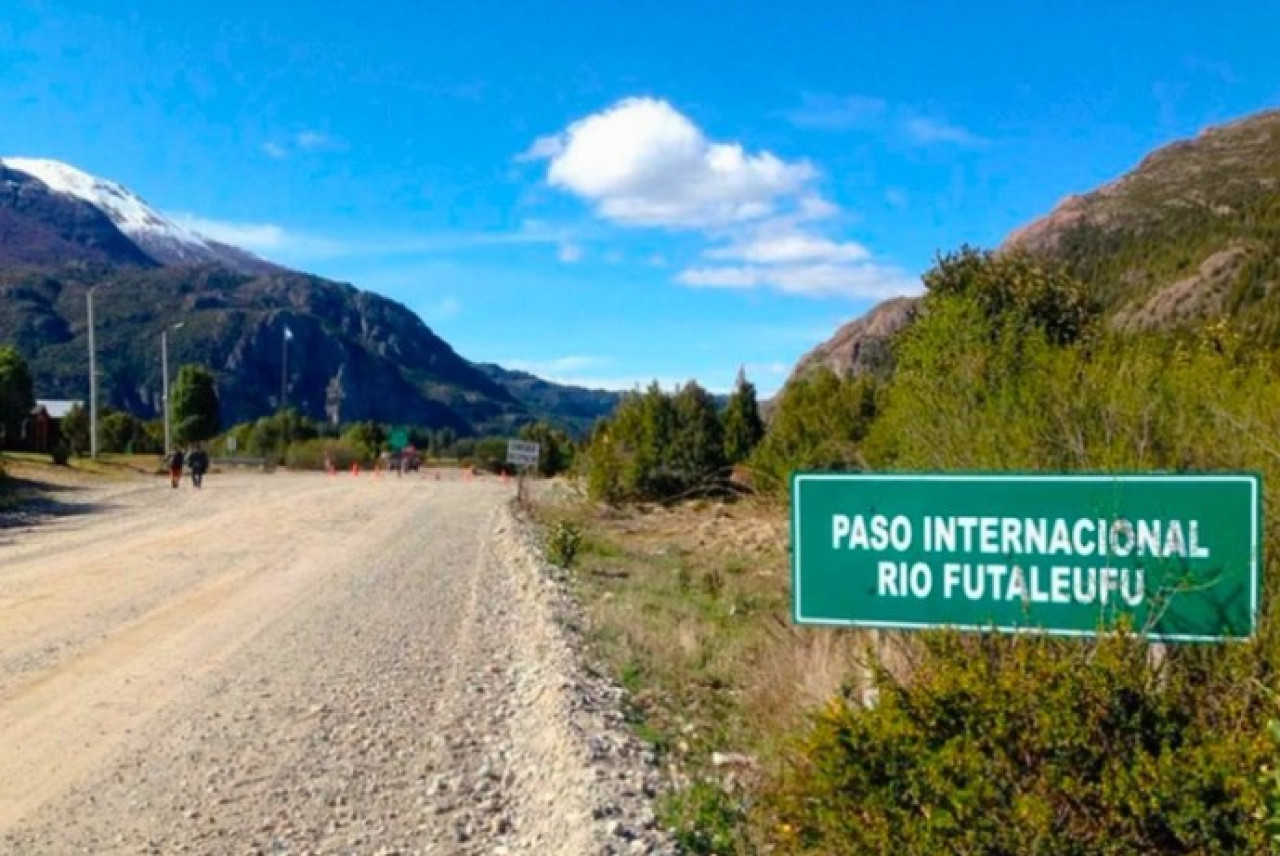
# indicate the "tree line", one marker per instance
pixel 194 414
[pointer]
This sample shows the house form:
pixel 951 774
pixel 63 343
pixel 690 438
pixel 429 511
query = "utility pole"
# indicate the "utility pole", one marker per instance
pixel 93 377
pixel 284 391
pixel 284 365
pixel 164 359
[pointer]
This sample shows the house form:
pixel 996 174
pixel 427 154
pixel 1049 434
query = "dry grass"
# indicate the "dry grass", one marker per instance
pixel 690 606
pixel 38 467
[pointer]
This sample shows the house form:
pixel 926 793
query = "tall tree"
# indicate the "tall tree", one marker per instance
pixel 743 427
pixel 696 453
pixel 16 396
pixel 75 430
pixel 195 405
pixel 555 450
pixel 120 432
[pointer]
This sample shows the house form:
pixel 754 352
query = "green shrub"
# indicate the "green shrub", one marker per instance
pixel 310 455
pixel 555 449
pixel 1270 784
pixel 60 453
pixel 657 446
pixel 1007 745
pixel 563 540
pixel 818 424
pixel 706 819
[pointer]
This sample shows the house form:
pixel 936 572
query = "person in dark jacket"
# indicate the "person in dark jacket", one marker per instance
pixel 198 463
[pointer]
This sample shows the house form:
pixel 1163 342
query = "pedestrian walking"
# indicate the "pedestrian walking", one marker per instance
pixel 198 463
pixel 174 463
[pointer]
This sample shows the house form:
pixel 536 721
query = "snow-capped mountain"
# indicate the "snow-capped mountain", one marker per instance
pixel 156 235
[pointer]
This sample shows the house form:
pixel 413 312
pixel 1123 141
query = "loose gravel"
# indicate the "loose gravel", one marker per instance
pixel 297 664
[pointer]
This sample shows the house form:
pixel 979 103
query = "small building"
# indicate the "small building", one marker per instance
pixel 43 427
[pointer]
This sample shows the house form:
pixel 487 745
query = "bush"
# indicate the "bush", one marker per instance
pixel 1014 285
pixel 60 453
pixel 1005 745
pixel 706 819
pixel 657 446
pixel 490 455
pixel 555 449
pixel 563 540
pixel 819 424
pixel 310 455
pixel 75 430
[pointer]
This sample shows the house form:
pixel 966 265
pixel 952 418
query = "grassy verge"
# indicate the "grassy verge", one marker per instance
pixel 689 608
pixel 107 465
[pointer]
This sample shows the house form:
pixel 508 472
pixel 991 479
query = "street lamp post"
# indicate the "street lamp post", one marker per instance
pixel 284 365
pixel 164 360
pixel 93 375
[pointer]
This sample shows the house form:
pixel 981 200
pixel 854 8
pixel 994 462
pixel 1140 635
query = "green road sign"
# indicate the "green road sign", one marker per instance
pixel 1179 556
pixel 399 439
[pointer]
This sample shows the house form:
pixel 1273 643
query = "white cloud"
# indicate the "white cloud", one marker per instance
pixel 310 141
pixel 858 281
pixel 303 141
pixel 249 236
pixel 569 253
pixel 543 148
pixel 767 369
pixel 875 115
pixel 586 371
pixel 643 163
pixel 932 131
pixel 442 310
pixel 557 365
pixel 830 112
pixel 814 207
pixel 302 246
pixel 721 277
pixel 791 247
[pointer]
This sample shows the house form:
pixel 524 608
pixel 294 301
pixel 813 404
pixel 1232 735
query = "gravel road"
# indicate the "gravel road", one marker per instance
pixel 302 664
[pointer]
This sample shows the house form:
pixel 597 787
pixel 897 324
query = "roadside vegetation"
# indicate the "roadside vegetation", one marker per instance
pixel 286 437
pixel 806 740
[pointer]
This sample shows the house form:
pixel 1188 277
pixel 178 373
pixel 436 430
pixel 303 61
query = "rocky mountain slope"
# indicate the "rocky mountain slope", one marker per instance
pixel 862 345
pixel 1192 232
pixel 575 408
pixel 353 355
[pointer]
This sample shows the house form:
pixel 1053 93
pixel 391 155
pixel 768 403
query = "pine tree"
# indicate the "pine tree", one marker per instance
pixel 16 397
pixel 195 405
pixel 696 453
pixel 743 428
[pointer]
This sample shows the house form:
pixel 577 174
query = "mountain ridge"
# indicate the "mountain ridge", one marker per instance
pixel 1191 232
pixel 355 354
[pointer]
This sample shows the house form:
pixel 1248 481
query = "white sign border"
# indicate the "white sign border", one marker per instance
pixel 797 479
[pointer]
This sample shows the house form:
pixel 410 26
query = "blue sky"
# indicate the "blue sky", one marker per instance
pixel 606 193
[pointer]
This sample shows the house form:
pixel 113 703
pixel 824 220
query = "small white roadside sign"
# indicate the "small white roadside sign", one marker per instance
pixel 523 454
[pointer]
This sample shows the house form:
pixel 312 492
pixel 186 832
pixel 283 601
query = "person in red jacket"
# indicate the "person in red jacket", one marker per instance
pixel 174 463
